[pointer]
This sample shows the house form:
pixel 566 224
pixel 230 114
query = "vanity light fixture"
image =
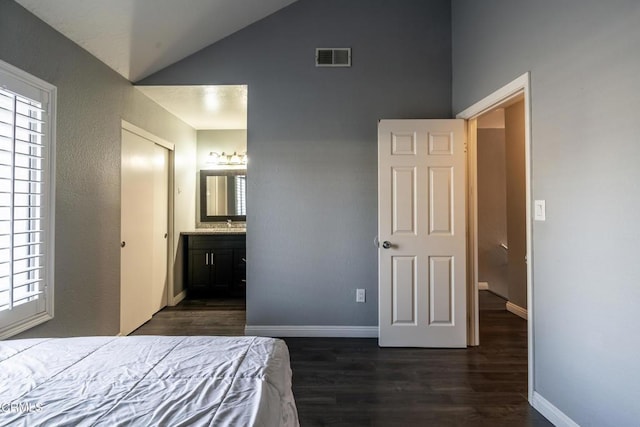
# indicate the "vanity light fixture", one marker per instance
pixel 226 159
pixel 213 158
pixel 235 159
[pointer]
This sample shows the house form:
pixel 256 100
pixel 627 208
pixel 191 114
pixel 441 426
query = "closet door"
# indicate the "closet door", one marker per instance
pixel 160 228
pixel 144 230
pixel 136 231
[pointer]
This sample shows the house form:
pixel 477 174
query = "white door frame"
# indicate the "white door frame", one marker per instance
pixel 517 87
pixel 171 300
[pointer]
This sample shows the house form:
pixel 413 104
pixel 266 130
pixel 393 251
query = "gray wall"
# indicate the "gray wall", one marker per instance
pixel 585 98
pixel 92 100
pixel 312 139
pixel 492 211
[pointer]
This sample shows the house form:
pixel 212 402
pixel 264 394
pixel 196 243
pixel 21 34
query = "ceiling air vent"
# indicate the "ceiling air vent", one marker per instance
pixel 333 57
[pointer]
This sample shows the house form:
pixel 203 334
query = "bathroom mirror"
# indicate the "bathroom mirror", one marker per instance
pixel 223 195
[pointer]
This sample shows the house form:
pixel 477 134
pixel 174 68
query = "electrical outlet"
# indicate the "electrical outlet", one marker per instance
pixel 360 295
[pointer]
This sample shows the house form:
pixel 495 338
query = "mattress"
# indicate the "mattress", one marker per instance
pixel 146 381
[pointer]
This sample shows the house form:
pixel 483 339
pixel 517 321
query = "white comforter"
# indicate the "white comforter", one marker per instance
pixel 146 381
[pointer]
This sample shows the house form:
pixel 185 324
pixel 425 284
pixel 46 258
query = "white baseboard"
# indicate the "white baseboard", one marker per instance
pixel 550 412
pixel 176 300
pixel 517 310
pixel 312 331
pixel 483 286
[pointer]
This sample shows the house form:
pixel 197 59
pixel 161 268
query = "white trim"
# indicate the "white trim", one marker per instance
pixel 176 300
pixel 473 305
pixel 517 310
pixel 27 85
pixel 148 135
pixel 483 286
pixel 521 85
pixel 312 331
pixel 500 96
pixel 550 412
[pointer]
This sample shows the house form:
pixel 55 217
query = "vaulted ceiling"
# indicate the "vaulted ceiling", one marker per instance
pixel 139 37
pixel 136 38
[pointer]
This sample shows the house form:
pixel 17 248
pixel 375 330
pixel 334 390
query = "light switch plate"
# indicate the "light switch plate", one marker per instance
pixel 539 210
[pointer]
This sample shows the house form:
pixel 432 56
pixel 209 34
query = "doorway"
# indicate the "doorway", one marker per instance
pixel 218 116
pixel 514 100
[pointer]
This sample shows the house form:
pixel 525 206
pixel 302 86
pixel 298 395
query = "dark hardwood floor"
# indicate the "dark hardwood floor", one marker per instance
pixel 222 316
pixel 353 382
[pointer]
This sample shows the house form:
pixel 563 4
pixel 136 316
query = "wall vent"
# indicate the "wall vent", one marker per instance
pixel 333 57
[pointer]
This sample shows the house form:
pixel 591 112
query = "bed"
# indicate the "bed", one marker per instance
pixel 146 381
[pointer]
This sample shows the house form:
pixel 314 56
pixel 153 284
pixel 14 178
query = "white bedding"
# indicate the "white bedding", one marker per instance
pixel 146 381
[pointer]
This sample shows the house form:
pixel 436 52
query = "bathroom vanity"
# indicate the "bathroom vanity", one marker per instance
pixel 215 263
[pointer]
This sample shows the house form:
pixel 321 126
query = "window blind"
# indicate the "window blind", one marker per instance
pixel 21 200
pixel 241 195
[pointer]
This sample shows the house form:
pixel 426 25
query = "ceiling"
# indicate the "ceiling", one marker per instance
pixel 203 107
pixel 136 38
pixel 139 37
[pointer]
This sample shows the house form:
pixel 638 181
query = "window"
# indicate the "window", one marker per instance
pixel 27 156
pixel 241 194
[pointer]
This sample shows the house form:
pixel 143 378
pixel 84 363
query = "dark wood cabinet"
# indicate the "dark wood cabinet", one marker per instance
pixel 216 264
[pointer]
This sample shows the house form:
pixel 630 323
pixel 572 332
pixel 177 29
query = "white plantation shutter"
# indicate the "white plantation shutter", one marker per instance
pixel 241 195
pixel 26 200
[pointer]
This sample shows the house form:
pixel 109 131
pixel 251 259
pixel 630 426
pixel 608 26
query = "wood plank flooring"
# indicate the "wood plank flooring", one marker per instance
pixel 353 382
pixel 224 316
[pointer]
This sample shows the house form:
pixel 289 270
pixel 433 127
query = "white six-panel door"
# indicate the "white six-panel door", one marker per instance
pixel 422 233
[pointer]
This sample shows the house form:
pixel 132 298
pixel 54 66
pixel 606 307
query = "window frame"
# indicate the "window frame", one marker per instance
pixel 28 86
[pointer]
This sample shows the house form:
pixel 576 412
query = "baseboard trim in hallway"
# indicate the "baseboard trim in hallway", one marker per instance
pixel 517 310
pixel 552 413
pixel 312 331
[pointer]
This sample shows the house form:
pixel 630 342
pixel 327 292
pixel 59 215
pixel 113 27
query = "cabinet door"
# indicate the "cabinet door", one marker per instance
pixel 221 269
pixel 199 269
pixel 239 272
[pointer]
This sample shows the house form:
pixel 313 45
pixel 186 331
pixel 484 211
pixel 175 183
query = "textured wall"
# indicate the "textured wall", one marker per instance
pixel 312 139
pixel 92 100
pixel 585 98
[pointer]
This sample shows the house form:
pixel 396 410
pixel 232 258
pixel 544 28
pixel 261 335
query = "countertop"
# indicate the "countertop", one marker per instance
pixel 214 231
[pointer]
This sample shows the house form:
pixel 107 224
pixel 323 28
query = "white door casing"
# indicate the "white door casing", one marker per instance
pixel 421 220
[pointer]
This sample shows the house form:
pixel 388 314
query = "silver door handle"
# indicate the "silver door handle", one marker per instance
pixel 206 260
pixel 386 244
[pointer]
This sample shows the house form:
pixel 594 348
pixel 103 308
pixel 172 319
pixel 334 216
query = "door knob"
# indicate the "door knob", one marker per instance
pixel 386 244
pixel 123 244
